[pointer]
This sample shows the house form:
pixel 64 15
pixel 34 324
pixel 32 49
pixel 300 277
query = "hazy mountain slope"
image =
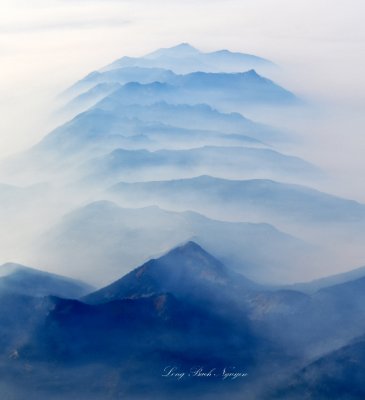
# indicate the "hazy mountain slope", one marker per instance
pixel 21 280
pixel 89 98
pixel 103 241
pixel 97 131
pixel 121 76
pixel 244 87
pixel 217 89
pixel 317 323
pixel 230 162
pixel 19 316
pixel 337 375
pixel 200 116
pixel 331 280
pixel 243 198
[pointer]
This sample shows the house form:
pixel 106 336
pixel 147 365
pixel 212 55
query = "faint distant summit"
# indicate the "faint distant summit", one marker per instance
pixel 180 50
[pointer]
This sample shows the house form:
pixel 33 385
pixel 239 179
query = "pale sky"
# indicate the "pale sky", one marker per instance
pixel 45 45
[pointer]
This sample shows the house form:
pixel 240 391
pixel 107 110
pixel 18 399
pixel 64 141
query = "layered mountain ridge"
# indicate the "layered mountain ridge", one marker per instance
pixel 158 164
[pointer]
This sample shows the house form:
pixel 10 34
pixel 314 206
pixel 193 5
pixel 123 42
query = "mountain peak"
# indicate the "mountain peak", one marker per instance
pixel 184 46
pixel 188 248
pixel 252 72
pixel 181 50
pixel 10 267
pixel 185 271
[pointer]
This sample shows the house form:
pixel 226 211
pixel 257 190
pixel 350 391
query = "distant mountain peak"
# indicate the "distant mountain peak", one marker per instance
pixel 180 50
pixel 184 45
pixel 252 72
pixel 10 267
